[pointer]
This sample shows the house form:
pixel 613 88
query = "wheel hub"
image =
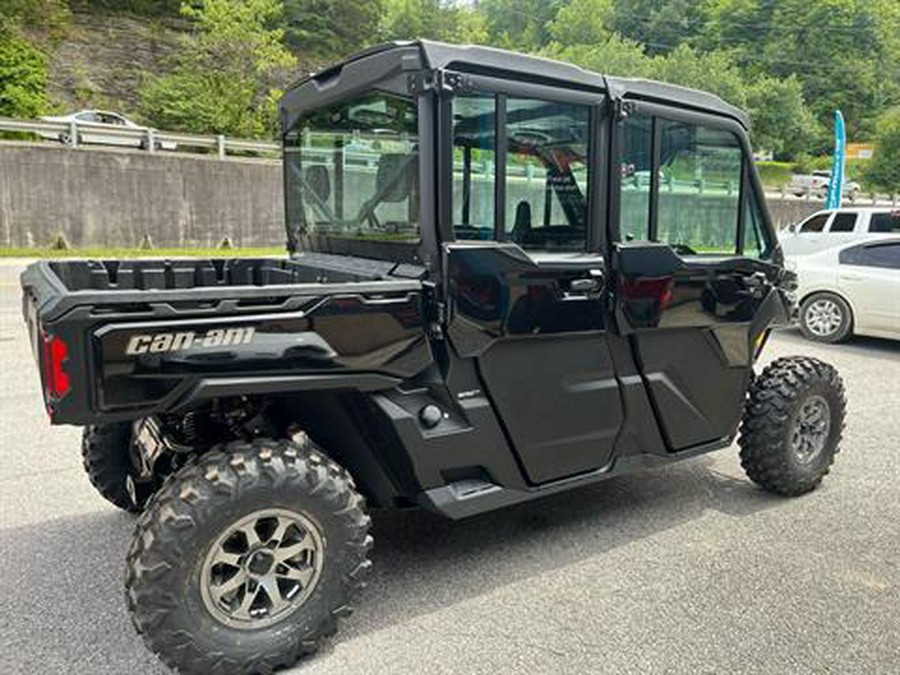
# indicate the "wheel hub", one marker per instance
pixel 262 568
pixel 824 317
pixel 810 429
pixel 260 563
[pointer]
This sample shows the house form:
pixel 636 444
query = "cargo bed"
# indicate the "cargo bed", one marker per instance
pixel 125 338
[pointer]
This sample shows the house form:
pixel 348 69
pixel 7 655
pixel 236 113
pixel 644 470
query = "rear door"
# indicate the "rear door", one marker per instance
pixel 525 275
pixel 693 266
pixel 869 275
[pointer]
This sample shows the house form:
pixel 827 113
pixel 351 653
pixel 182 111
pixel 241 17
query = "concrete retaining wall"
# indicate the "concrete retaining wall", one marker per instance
pixel 99 197
pixel 105 197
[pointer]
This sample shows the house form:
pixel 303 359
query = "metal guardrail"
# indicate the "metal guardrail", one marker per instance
pixel 74 134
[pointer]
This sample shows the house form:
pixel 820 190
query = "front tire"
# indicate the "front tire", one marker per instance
pixel 792 425
pixel 245 558
pixel 826 317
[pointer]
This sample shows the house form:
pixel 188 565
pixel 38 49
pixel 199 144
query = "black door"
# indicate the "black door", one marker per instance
pixel 536 329
pixel 694 271
pixel 525 295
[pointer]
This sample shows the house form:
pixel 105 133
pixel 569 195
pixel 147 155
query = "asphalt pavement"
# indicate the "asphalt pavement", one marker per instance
pixel 689 569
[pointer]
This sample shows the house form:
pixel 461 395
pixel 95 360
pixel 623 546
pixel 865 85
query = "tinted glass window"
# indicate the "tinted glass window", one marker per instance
pixel 755 242
pixel 885 222
pixel 843 222
pixel 816 223
pixel 546 176
pixel 699 193
pixel 872 255
pixel 635 165
pixel 351 170
pixel 474 167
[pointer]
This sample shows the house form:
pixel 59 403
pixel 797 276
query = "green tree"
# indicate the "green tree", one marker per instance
pixel 660 25
pixel 781 120
pixel 714 72
pixel 223 81
pixel 843 51
pixel 613 55
pixel 520 24
pixel 884 169
pixel 582 22
pixel 23 76
pixel 411 19
pixel 331 29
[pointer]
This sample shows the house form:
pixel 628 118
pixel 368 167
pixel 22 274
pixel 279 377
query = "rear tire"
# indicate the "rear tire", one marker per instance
pixel 210 577
pixel 109 461
pixel 826 317
pixel 792 425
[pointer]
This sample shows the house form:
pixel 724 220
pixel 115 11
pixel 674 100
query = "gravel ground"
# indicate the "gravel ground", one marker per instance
pixel 684 570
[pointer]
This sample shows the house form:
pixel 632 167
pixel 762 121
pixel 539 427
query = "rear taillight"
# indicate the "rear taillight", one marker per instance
pixel 56 379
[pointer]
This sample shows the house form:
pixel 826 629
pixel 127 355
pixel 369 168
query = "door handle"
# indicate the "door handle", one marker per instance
pixel 846 276
pixel 589 285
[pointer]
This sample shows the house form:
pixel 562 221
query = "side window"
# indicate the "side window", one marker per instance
pixel 843 222
pixel 635 165
pixel 474 166
pixel 699 195
pixel 546 174
pixel 885 222
pixel 816 223
pixel 755 243
pixel 872 255
pixel 543 166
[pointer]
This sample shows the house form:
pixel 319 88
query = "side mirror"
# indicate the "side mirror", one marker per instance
pixel 792 228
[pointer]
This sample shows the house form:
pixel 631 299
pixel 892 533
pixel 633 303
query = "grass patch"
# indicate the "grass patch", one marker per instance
pixel 775 174
pixel 116 252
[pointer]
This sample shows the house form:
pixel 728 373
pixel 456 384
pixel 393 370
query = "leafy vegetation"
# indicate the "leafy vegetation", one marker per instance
pixel 23 76
pixel 224 79
pixel 884 170
pixel 789 63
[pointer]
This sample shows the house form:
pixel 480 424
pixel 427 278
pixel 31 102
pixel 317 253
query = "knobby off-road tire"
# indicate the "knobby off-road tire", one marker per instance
pixel 792 425
pixel 109 461
pixel 283 494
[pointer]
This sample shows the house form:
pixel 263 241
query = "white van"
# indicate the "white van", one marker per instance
pixel 839 226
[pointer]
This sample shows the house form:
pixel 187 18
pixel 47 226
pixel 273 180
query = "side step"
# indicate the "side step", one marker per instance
pixel 471 496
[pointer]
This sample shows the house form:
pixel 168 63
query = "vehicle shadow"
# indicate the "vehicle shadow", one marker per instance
pixel 857 345
pixel 63 578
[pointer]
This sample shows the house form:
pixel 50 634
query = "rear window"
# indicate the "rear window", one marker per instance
pixel 872 255
pixel 351 170
pixel 885 222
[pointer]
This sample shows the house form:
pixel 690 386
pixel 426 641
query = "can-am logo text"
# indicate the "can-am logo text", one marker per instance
pixel 175 342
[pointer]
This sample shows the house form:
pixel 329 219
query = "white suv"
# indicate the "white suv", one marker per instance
pixel 828 228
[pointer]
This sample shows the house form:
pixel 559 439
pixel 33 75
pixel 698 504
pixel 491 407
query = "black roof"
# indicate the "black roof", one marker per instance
pixel 437 55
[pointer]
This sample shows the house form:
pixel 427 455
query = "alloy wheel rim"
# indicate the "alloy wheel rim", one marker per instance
pixel 824 317
pixel 810 429
pixel 262 568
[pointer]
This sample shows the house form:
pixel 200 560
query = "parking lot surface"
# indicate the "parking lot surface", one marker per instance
pixel 683 570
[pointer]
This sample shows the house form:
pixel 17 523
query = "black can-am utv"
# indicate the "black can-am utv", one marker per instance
pixel 508 277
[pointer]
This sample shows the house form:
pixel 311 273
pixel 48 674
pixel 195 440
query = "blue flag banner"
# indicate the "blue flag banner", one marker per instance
pixel 836 184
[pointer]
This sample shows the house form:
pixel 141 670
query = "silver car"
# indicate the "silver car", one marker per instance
pixel 93 126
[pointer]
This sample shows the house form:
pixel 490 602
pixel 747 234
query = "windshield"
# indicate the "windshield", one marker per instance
pixel 351 171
